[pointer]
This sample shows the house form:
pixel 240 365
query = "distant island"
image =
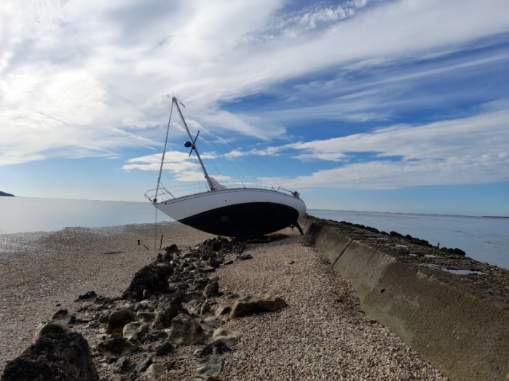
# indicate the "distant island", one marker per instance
pixel 6 194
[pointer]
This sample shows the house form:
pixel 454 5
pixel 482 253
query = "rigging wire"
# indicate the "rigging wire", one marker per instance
pixel 159 177
pixel 164 153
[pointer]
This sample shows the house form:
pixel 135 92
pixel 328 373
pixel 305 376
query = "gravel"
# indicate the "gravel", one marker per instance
pixel 43 272
pixel 322 335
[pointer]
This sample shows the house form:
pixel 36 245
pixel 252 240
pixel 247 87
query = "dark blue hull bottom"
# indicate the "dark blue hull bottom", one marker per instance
pixel 244 220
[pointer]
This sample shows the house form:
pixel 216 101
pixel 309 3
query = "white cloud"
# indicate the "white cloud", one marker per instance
pixel 461 151
pixel 184 168
pixel 89 78
pixel 268 151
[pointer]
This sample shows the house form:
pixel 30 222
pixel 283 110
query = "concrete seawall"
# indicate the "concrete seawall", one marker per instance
pixel 460 323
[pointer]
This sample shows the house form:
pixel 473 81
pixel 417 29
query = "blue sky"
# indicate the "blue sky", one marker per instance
pixel 358 104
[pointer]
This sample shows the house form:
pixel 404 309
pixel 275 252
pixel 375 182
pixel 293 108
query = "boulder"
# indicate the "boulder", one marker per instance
pixel 216 347
pixel 61 314
pixel 210 367
pixel 131 331
pixel 87 296
pixel 116 346
pixel 118 319
pixel 169 254
pixel 211 289
pixel 146 317
pixel 165 315
pixel 252 305
pixel 223 311
pixel 228 336
pixel 57 355
pixel 143 365
pixel 186 331
pixel 149 280
pixel 154 371
pixel 123 364
pixel 164 349
pixel 192 307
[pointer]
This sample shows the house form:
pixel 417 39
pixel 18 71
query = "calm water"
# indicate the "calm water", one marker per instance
pixel 483 238
pixel 486 239
pixel 19 214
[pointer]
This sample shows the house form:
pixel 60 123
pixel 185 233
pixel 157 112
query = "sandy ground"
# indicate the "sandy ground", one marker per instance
pixel 40 271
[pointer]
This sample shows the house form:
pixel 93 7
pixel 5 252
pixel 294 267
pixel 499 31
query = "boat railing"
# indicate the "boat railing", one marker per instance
pixel 268 187
pixel 163 194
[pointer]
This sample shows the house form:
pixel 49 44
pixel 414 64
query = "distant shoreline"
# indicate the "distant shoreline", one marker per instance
pixel 410 213
pixel 5 194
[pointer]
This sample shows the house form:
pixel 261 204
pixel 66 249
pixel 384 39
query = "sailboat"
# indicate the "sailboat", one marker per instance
pixel 233 212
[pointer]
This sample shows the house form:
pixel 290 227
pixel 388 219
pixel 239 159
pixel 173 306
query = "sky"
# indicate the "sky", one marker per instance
pixel 379 105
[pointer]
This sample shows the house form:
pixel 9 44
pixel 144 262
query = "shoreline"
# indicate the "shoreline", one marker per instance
pixel 51 270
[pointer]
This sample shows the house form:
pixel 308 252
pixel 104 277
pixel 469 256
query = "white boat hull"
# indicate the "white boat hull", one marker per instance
pixel 236 212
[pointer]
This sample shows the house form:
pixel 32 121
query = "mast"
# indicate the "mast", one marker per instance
pixel 192 144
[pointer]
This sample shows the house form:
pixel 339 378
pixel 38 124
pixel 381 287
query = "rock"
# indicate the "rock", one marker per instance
pixel 122 364
pixel 226 335
pixel 453 252
pixel 154 371
pixel 252 305
pixel 211 289
pixel 60 315
pixel 223 311
pixel 170 252
pixel 155 335
pixel 231 295
pixel 192 307
pixel 131 330
pixel 149 280
pixel 165 349
pixel 57 355
pixel 313 232
pixel 146 317
pixel 205 308
pixel 211 367
pixel 207 269
pixel 216 347
pixel 87 296
pixel 143 366
pixel 164 316
pixel 245 256
pixel 172 249
pixel 144 305
pixel 186 331
pixel 215 261
pixel 116 346
pixel 118 319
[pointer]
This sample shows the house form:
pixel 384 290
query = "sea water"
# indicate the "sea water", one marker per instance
pixel 483 238
pixel 20 214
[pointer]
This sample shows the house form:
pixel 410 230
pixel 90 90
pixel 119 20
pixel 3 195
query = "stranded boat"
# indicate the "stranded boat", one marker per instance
pixel 233 212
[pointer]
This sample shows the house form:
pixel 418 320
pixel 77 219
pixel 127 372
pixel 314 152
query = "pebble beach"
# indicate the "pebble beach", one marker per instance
pixel 321 334
pixel 42 272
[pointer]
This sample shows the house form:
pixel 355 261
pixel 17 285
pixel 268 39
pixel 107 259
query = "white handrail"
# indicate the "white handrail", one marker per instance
pixel 152 194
